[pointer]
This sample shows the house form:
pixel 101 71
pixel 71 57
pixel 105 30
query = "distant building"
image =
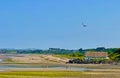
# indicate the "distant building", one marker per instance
pixel 96 55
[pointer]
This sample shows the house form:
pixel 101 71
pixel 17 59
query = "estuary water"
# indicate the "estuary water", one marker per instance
pixel 2 68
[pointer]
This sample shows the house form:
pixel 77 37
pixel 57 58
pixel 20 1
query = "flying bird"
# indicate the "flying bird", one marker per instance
pixel 84 25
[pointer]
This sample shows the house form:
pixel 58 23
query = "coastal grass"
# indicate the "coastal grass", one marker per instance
pixel 57 74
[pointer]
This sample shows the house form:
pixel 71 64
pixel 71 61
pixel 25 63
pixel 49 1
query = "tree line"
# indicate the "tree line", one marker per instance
pixel 55 51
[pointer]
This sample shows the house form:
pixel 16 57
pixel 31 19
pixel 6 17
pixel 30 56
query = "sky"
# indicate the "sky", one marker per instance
pixel 44 24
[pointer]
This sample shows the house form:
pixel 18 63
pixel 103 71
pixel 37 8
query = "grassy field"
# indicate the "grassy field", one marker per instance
pixel 58 74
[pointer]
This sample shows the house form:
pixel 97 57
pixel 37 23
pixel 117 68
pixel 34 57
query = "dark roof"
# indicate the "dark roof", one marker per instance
pixel 96 54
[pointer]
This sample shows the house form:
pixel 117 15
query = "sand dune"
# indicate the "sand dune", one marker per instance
pixel 34 58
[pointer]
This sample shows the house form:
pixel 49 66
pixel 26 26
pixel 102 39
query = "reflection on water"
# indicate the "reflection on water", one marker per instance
pixel 50 67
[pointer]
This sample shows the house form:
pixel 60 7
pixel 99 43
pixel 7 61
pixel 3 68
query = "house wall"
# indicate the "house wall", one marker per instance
pixel 88 58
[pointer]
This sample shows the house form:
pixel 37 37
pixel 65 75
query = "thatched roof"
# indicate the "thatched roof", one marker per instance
pixel 96 54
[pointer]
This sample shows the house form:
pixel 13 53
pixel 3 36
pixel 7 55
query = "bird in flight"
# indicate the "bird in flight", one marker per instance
pixel 84 25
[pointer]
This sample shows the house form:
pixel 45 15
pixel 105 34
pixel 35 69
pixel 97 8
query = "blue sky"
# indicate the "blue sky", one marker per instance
pixel 57 23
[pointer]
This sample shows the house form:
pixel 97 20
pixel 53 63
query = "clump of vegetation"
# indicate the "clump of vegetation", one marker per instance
pixel 75 55
pixel 9 60
pixel 115 56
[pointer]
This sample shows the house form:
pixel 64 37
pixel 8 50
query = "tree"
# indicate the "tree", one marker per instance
pixel 115 55
pixel 117 51
pixel 100 49
pixel 80 50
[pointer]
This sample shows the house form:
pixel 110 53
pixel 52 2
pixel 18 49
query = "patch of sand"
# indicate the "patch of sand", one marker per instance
pixel 38 59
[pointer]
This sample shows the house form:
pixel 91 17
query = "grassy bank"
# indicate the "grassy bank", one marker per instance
pixel 57 74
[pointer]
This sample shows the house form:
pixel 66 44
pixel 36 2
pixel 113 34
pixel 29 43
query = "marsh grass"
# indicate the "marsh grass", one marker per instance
pixel 55 74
